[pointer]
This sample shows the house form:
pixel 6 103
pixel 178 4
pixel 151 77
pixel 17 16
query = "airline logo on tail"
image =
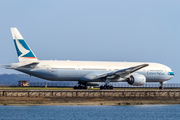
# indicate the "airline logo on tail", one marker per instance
pixel 22 48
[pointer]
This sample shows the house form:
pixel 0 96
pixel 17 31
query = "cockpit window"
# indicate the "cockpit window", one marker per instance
pixel 171 73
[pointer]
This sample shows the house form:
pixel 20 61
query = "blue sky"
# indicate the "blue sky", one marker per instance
pixel 103 30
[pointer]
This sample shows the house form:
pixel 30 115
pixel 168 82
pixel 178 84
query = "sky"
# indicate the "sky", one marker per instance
pixel 94 30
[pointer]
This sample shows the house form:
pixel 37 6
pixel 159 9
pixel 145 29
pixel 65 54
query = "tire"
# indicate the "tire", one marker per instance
pixel 79 87
pixel 111 87
pixel 75 87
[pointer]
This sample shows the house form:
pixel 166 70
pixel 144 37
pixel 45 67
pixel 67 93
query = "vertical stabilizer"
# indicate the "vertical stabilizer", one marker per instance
pixel 24 52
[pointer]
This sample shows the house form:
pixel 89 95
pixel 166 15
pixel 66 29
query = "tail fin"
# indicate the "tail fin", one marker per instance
pixel 24 52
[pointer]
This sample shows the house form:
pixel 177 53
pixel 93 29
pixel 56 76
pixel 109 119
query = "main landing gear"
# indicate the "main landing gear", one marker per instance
pixel 106 87
pixel 161 87
pixel 80 87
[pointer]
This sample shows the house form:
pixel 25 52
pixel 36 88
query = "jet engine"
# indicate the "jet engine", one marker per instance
pixel 136 80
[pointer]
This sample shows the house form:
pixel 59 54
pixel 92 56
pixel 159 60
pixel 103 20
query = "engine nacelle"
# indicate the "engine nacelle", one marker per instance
pixel 136 80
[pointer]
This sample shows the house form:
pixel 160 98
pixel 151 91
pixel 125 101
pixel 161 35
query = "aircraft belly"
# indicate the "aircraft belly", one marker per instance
pixel 73 75
pixel 157 78
pixel 56 75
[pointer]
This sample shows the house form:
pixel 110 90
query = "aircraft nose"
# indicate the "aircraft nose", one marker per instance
pixel 171 73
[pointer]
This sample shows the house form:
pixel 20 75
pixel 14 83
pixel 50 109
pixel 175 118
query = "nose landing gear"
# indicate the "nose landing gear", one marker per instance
pixel 161 87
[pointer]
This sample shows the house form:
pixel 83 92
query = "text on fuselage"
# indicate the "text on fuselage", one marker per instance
pixel 155 73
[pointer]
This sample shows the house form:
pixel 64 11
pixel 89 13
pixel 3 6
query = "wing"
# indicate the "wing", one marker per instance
pixel 122 72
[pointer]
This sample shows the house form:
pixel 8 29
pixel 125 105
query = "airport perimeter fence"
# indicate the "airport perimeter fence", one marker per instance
pixel 115 85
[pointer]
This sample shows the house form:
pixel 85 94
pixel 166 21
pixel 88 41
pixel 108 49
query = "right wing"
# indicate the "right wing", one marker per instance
pixel 123 72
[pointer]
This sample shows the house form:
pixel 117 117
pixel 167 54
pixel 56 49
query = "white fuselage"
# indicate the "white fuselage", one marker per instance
pixel 87 70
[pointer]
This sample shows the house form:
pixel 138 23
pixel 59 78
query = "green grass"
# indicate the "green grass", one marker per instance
pixel 34 88
pixel 59 88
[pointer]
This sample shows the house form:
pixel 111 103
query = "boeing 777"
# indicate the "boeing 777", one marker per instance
pixel 87 73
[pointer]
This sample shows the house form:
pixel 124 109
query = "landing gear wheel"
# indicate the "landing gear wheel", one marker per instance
pixel 101 87
pixel 75 87
pixel 85 87
pixel 161 87
pixel 106 87
pixel 111 87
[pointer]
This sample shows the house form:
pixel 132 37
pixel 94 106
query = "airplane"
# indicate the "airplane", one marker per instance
pixel 87 73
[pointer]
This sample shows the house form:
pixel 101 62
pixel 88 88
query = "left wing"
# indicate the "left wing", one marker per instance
pixel 122 72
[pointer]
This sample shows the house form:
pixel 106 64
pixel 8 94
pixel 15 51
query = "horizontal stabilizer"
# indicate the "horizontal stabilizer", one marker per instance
pixel 31 65
pixel 6 66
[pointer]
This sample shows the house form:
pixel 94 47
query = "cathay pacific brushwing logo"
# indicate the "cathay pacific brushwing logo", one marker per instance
pixel 21 48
